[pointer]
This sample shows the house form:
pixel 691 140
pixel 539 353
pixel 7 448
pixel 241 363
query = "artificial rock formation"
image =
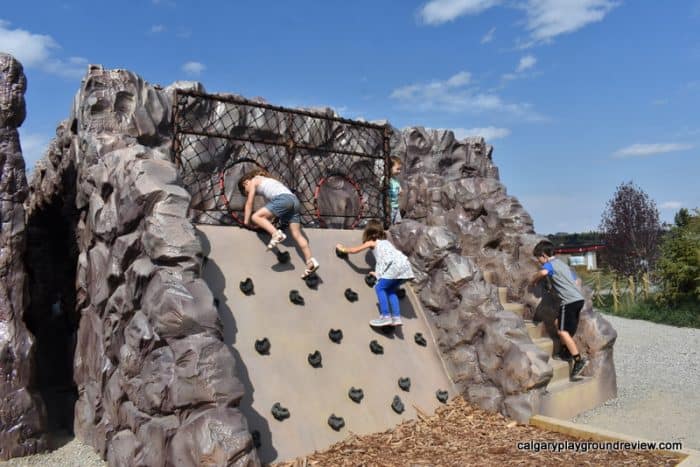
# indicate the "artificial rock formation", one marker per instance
pixel 156 384
pixel 22 413
pixel 460 226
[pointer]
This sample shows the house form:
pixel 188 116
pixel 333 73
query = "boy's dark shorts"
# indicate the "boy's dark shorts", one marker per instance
pixel 568 317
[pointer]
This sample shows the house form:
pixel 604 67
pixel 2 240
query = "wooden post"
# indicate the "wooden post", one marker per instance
pixel 632 292
pixel 645 285
pixel 616 303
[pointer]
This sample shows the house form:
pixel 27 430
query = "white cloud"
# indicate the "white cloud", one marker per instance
pixel 455 95
pixel 489 133
pixel 527 62
pixel 441 11
pixel 37 51
pixel 640 150
pixel 547 19
pixel 193 68
pixel 488 37
pixel 157 28
pixel 673 205
pixel 33 147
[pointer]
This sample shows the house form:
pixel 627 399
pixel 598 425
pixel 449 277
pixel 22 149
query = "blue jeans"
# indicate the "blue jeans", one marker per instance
pixel 386 294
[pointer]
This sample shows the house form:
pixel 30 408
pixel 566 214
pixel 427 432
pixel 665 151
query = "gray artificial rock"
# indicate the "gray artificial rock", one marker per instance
pixel 22 412
pixel 216 436
pixel 124 449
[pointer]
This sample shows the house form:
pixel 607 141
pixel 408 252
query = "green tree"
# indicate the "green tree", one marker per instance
pixel 679 264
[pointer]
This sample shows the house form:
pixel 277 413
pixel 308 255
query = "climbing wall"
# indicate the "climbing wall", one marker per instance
pixel 283 375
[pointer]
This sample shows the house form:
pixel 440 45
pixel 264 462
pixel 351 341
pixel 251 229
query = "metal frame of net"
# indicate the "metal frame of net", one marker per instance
pixel 338 168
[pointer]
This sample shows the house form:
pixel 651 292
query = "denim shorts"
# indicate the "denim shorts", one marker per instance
pixel 286 208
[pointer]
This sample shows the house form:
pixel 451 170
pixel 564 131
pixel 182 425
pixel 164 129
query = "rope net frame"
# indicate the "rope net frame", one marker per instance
pixel 338 168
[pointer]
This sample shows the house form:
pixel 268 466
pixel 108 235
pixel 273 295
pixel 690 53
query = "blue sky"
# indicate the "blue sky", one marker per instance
pixel 576 96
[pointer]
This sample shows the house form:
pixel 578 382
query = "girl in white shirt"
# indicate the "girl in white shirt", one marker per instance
pixel 392 270
pixel 281 203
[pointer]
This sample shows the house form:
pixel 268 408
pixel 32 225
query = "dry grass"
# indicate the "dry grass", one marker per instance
pixel 462 435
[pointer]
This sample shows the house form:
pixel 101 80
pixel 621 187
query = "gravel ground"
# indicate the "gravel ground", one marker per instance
pixel 67 452
pixel 657 383
pixel 657 387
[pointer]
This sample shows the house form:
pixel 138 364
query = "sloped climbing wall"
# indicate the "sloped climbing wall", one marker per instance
pixel 284 375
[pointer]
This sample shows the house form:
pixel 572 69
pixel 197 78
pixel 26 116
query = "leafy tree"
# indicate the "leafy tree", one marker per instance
pixel 679 263
pixel 630 229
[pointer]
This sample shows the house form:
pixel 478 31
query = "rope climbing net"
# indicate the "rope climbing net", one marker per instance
pixel 337 167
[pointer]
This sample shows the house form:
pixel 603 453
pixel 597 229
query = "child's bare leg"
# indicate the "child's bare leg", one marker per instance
pixel 262 218
pixel 295 230
pixel 568 342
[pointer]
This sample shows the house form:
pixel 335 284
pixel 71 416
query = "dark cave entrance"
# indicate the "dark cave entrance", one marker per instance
pixel 51 260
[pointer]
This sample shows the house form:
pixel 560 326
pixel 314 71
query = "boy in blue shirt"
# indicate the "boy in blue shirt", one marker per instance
pixel 566 286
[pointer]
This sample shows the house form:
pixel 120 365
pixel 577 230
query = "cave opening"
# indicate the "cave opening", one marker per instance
pixel 51 262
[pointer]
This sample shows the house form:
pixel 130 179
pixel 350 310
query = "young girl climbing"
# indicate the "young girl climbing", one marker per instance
pixel 392 270
pixel 281 203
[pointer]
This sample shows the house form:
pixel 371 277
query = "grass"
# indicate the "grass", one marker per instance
pixel 681 315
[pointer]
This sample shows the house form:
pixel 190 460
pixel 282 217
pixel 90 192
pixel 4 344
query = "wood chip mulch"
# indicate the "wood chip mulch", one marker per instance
pixel 462 435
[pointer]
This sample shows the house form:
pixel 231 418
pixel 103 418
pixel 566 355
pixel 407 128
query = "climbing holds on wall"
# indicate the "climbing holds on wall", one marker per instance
pixel 376 348
pixel 295 298
pixel 279 412
pixel 405 383
pixel 397 405
pixel 340 254
pixel 336 335
pixel 356 394
pixel 314 359
pixel 283 257
pixel 246 286
pixel 370 280
pixel 420 340
pixel 336 422
pixel 401 293
pixel 441 395
pixel 351 295
pixel 312 280
pixel 263 346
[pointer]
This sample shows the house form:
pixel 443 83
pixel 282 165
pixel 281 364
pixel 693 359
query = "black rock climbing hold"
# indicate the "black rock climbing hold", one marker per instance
pixel 295 298
pixel 256 438
pixel 356 395
pixel 216 303
pixel 397 405
pixel 315 359
pixel 312 280
pixel 336 335
pixel 441 395
pixel 351 295
pixel 283 257
pixel 263 346
pixel 420 340
pixel 279 412
pixel 340 254
pixel 376 348
pixel 336 422
pixel 405 383
pixel 370 280
pixel 401 293
pixel 247 286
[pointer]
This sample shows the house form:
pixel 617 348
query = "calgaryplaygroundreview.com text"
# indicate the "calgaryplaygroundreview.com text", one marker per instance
pixel 585 446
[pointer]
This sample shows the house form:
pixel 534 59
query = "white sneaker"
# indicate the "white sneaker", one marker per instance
pixel 276 239
pixel 381 322
pixel 396 321
pixel 311 267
